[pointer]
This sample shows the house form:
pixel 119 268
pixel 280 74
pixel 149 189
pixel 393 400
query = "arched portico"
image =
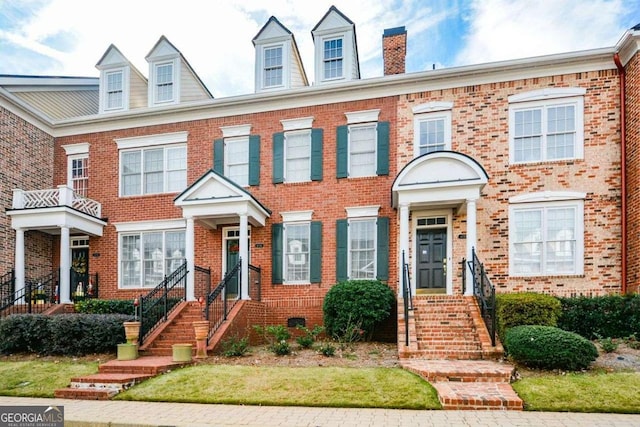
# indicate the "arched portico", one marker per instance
pixel 441 181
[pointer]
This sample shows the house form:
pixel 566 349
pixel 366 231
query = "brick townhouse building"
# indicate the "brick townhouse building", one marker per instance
pixel 532 164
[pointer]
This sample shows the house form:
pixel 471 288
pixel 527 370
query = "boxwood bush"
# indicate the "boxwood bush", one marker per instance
pixel 548 347
pixel 353 308
pixel 105 306
pixel 65 334
pixel 525 308
pixel 611 316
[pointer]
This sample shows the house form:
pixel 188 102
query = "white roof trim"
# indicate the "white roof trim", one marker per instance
pixel 123 227
pixel 547 196
pixel 150 140
pixel 296 216
pixel 433 106
pixel 363 116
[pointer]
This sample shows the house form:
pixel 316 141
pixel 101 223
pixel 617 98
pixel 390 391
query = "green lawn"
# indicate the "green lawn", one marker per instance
pixel 37 378
pixel 286 386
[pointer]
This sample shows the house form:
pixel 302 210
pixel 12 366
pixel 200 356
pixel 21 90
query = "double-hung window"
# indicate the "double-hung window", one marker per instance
pixel 362 249
pixel 546 238
pixel 362 149
pixel 164 84
pixel 80 175
pixel 432 127
pixel 236 157
pixel 297 155
pixel 297 152
pixel 115 90
pixel 296 249
pixel 362 145
pixel 147 257
pixel 546 125
pixel 333 57
pixel 296 252
pixel 273 66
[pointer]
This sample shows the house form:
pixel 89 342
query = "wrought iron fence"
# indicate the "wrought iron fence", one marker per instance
pixel 157 304
pixel 35 297
pixel 7 288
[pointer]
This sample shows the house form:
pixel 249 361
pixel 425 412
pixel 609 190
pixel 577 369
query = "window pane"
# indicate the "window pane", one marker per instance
pixel 333 58
pixel 273 66
pixel 237 160
pixel 153 259
pixel 80 176
pixel 176 169
pixel 527 256
pixel 561 132
pixel 362 150
pixel 362 254
pixel 432 135
pixel 296 250
pixel 298 157
pixel 131 173
pixel 164 82
pixel 114 90
pixel 560 241
pixel 153 171
pixel 130 267
pixel 174 250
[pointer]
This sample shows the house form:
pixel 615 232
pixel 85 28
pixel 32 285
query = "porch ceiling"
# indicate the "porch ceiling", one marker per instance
pixel 214 200
pixel 439 179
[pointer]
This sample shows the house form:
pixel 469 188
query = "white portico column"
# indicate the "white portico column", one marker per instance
pixel 65 266
pixel 404 242
pixel 471 242
pixel 244 256
pixel 190 244
pixel 19 262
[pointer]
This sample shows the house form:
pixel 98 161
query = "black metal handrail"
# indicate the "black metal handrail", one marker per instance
pixel 157 304
pixel 35 297
pixel 406 294
pixel 485 294
pixel 218 306
pixel 7 288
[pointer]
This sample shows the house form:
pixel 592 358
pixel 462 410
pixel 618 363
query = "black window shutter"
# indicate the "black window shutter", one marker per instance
pixel 316 154
pixel 276 253
pixel 383 148
pixel 342 236
pixel 383 248
pixel 218 156
pixel 254 160
pixel 342 151
pixel 278 157
pixel 315 275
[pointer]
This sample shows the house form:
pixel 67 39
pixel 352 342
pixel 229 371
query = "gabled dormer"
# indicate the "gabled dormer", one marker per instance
pixel 278 64
pixel 171 78
pixel 336 51
pixel 122 86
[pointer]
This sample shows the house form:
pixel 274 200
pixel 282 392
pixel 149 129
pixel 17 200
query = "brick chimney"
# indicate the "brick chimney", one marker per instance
pixel 394 50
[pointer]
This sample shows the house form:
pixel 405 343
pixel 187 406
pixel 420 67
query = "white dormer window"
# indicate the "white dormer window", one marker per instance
pixel 273 66
pixel 333 59
pixel 115 90
pixel 164 82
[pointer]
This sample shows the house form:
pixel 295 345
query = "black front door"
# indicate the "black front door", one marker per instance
pixel 79 273
pixel 233 255
pixel 431 259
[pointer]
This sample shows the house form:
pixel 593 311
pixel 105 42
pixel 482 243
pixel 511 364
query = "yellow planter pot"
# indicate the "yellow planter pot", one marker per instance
pixel 182 352
pixel 132 332
pixel 127 351
pixel 201 329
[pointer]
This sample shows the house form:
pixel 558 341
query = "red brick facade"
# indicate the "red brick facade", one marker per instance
pixel 632 94
pixel 26 162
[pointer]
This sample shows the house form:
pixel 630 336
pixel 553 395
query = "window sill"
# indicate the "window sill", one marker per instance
pixel 549 276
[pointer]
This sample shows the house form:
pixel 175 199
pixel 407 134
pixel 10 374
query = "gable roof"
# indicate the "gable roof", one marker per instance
pixel 334 10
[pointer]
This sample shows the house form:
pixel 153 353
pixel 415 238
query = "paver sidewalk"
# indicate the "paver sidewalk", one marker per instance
pixel 129 414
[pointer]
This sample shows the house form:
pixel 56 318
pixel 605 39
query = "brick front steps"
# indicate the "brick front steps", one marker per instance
pixel 115 376
pixel 449 346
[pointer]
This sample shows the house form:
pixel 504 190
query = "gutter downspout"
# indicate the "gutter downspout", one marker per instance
pixel 623 169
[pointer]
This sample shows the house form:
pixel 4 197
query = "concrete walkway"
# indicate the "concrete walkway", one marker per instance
pixel 129 414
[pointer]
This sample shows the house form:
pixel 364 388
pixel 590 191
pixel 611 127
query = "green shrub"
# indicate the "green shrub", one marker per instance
pixel 357 305
pixel 65 334
pixel 526 308
pixel 327 349
pixel 615 316
pixel 309 337
pixel 278 337
pixel 608 345
pixel 548 347
pixel 105 306
pixel 235 346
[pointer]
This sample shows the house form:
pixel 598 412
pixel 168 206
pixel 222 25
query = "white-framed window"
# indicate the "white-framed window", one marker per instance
pixel 80 174
pixel 432 127
pixel 546 238
pixel 115 90
pixel 296 238
pixel 153 170
pixel 273 66
pixel 362 248
pixel 546 125
pixel 236 159
pixel 297 156
pixel 363 140
pixel 164 82
pixel 147 256
pixel 333 58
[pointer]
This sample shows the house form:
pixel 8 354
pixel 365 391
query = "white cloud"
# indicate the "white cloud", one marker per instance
pixel 504 29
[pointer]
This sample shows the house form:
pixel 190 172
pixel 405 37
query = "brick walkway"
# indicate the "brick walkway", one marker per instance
pixel 129 414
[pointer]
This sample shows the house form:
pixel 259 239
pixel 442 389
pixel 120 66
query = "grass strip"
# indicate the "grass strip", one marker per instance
pixel 286 386
pixel 37 378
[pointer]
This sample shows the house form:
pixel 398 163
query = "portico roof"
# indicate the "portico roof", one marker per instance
pixel 214 199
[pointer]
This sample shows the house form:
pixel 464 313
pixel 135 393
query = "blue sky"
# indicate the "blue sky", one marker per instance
pixel 68 37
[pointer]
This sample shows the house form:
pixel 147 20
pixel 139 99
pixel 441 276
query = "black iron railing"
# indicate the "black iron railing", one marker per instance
pixel 157 304
pixel 484 291
pixel 219 302
pixel 7 289
pixel 406 294
pixel 36 296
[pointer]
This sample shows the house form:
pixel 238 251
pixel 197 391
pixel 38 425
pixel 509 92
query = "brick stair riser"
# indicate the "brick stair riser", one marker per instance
pixel 146 370
pixel 447 355
pixel 80 394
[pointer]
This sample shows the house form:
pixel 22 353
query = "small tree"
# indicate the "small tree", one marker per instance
pixel 353 308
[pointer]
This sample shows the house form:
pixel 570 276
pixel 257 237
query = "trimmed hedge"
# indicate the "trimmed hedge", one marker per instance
pixel 525 308
pixel 611 316
pixel 65 334
pixel 356 306
pixel 547 347
pixel 105 306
